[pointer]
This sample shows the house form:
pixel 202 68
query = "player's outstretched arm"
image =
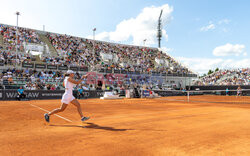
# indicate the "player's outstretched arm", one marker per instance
pixel 84 76
pixel 78 81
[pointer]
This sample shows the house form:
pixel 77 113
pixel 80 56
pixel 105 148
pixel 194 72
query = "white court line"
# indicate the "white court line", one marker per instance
pixel 54 114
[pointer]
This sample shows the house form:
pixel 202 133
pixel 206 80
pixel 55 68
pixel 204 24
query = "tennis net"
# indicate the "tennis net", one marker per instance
pixel 211 96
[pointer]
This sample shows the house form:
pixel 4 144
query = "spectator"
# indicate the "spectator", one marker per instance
pixel 20 93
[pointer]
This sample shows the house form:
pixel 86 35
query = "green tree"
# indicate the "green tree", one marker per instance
pixel 217 69
pixel 209 72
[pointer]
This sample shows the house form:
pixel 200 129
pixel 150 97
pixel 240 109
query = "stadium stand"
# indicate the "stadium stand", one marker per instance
pixel 116 64
pixel 24 35
pixel 226 77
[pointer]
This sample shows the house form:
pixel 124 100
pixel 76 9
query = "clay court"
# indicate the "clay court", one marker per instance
pixel 126 127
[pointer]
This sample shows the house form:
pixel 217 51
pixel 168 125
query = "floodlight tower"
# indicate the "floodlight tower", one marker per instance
pixel 159 30
pixel 17 14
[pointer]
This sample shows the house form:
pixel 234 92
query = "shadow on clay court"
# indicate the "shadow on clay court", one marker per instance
pixel 93 126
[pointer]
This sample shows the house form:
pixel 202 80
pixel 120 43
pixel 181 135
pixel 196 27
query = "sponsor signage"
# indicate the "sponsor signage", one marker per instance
pixel 146 93
pixel 28 65
pixel 101 70
pixel 40 66
pixel 73 68
pixel 117 71
pixel 1 62
pixel 124 72
pixel 63 67
pixel 163 74
pixel 45 94
pixel 168 93
pixel 109 71
pixel 175 74
pixel 51 67
pixel 85 69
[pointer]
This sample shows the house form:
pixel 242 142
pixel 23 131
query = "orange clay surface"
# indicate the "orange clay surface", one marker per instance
pixel 126 127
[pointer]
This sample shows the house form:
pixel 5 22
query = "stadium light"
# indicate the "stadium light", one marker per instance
pixel 17 14
pixel 94 33
pixel 144 42
pixel 159 30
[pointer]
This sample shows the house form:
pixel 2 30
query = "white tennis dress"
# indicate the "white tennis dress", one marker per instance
pixel 68 95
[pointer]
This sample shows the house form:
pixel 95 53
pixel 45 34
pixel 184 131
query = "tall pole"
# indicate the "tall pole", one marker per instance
pixel 94 33
pixel 144 42
pixel 94 42
pixel 159 31
pixel 17 13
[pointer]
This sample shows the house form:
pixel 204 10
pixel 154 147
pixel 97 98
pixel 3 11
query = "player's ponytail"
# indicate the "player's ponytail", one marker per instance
pixel 66 74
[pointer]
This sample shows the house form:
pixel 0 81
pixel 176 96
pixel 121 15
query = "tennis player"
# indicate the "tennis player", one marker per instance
pixel 239 91
pixel 68 97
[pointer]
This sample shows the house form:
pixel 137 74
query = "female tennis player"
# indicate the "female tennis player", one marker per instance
pixel 68 97
pixel 239 91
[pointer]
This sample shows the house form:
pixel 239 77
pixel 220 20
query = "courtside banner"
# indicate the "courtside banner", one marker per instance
pixel 219 87
pixel 164 93
pixel 1 95
pixel 44 94
pixel 146 93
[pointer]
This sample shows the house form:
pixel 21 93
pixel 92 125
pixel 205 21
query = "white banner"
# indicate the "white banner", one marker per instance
pixel 106 57
pixel 34 47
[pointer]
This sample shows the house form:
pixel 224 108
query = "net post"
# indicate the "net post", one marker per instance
pixel 188 96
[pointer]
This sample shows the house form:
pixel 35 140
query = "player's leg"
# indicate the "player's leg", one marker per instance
pixel 76 103
pixel 57 110
pixel 78 106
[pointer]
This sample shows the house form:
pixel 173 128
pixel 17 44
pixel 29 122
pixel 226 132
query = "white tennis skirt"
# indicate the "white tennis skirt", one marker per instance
pixel 67 98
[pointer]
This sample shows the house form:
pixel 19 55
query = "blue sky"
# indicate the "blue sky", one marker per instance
pixel 202 34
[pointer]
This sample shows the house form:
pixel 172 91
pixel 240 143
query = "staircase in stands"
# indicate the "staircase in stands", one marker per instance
pixel 52 50
pixel 1 40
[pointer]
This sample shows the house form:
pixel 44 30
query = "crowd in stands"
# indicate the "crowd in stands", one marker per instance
pixel 227 77
pixel 72 50
pixel 32 79
pixel 9 57
pixel 80 52
pixel 24 35
pixel 77 51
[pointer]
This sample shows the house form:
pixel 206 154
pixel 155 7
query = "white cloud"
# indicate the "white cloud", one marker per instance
pixel 225 30
pixel 229 49
pixel 202 65
pixel 144 26
pixel 224 21
pixel 166 50
pixel 211 26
